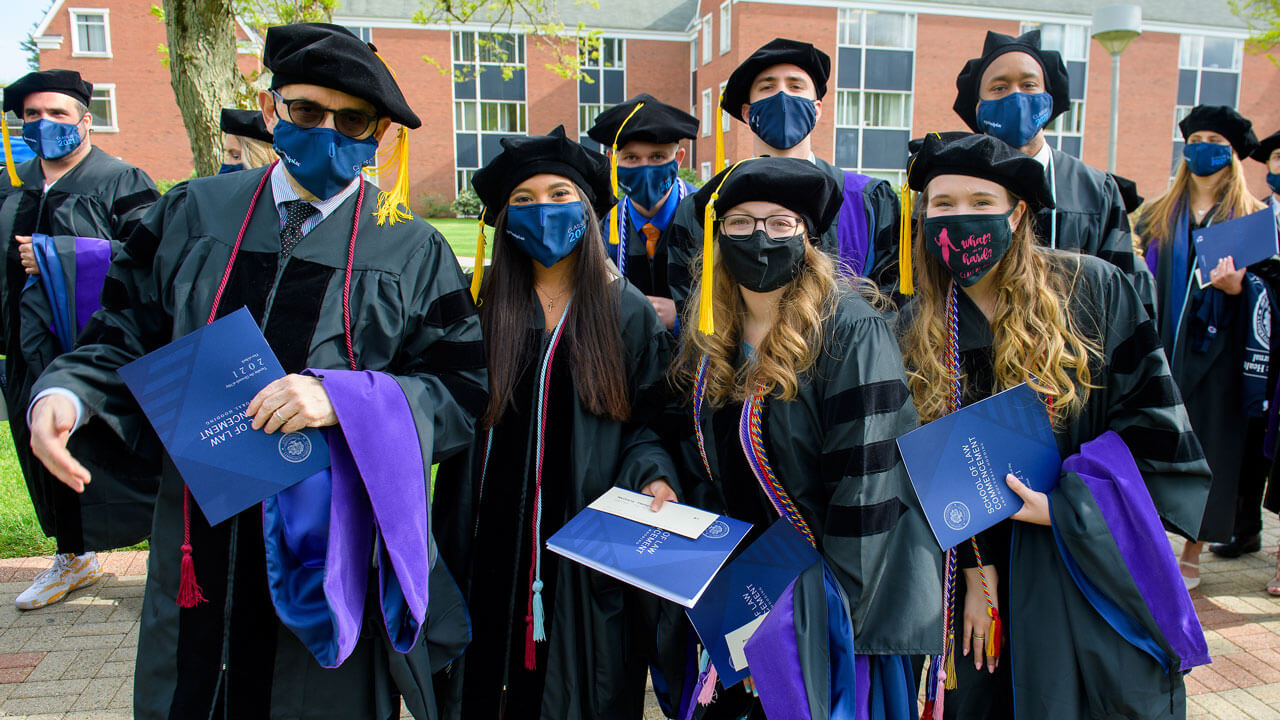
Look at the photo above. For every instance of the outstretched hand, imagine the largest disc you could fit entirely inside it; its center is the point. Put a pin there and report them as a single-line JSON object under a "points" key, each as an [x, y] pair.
{"points": [[52, 420]]}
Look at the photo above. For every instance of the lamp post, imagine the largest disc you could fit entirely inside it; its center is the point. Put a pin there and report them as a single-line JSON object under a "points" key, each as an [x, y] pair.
{"points": [[1115, 26]]}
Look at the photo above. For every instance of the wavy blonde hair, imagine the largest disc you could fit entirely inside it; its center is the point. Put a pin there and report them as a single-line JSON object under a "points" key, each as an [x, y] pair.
{"points": [[1232, 191], [255, 153], [790, 347], [1035, 339]]}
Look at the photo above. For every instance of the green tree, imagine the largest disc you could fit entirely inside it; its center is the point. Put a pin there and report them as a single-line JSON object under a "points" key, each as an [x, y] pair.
{"points": [[538, 20], [1263, 18], [28, 44]]}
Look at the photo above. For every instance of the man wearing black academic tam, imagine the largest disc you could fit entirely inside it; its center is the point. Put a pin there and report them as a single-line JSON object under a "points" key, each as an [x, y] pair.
{"points": [[246, 142], [777, 92], [1013, 91], [643, 137], [242, 619], [63, 212]]}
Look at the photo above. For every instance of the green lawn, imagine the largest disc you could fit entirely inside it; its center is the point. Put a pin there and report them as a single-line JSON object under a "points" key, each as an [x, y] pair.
{"points": [[461, 234], [20, 534]]}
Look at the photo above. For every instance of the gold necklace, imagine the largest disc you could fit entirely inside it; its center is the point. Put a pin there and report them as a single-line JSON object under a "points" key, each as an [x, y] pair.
{"points": [[552, 302]]}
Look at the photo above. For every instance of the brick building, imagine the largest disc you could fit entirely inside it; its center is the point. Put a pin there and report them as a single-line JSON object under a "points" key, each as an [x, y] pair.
{"points": [[894, 68]]}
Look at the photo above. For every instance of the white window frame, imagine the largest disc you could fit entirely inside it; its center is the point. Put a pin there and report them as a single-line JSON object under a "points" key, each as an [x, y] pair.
{"points": [[110, 89], [726, 26], [726, 120], [520, 61], [707, 104], [895, 177], [597, 63], [706, 39], [706, 171], [361, 31], [75, 14], [1181, 111]]}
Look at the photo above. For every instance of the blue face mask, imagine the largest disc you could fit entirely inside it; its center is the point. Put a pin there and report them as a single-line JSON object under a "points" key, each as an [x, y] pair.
{"points": [[782, 120], [547, 232], [647, 184], [322, 160], [230, 168], [1273, 182], [1016, 117], [1206, 158], [51, 140]]}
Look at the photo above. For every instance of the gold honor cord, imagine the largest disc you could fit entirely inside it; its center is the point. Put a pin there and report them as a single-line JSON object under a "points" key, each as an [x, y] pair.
{"points": [[706, 319], [477, 273], [8, 153], [614, 238]]}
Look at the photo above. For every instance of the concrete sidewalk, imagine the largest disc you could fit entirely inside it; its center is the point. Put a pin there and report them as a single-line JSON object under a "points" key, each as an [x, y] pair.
{"points": [[74, 660]]}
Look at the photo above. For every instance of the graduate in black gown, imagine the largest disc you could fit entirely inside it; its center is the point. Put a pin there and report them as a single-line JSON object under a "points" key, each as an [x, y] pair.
{"points": [[644, 136], [246, 141], [343, 282], [577, 361], [1203, 329], [777, 93], [1012, 92], [74, 204], [1073, 608], [779, 341]]}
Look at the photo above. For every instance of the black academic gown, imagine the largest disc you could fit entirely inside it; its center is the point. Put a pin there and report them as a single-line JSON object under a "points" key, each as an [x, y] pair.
{"points": [[683, 237], [593, 664], [1064, 659], [1090, 218], [834, 449], [412, 317], [101, 197], [1210, 378]]}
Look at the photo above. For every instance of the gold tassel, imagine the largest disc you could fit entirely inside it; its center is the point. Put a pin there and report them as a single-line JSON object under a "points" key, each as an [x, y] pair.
{"points": [[706, 311], [8, 153], [614, 238], [393, 204], [949, 665], [477, 273], [906, 282], [719, 135]]}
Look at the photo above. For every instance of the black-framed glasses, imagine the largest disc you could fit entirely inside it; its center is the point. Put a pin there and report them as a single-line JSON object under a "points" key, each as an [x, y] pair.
{"points": [[308, 114], [739, 226]]}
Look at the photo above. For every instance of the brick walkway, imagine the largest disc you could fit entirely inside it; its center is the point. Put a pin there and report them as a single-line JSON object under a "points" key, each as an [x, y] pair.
{"points": [[74, 660]]}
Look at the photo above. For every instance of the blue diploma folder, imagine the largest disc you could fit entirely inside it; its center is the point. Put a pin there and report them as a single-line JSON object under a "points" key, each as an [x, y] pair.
{"points": [[655, 560], [1247, 240], [195, 391], [744, 592], [958, 462]]}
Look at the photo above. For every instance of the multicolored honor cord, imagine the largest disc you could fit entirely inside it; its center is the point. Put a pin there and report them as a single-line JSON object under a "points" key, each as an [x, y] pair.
{"points": [[751, 435]]}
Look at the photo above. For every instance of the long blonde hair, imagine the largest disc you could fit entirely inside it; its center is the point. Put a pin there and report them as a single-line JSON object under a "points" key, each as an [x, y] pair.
{"points": [[255, 153], [790, 347], [1232, 191], [1035, 338]]}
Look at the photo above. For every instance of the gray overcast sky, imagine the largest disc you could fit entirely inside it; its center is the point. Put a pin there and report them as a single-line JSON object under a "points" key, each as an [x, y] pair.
{"points": [[19, 17]]}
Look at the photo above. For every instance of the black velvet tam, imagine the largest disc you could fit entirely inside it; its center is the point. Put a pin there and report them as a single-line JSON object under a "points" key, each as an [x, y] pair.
{"points": [[656, 122], [778, 51], [1057, 82], [67, 82], [980, 156], [555, 154], [245, 123], [794, 183], [1225, 121]]}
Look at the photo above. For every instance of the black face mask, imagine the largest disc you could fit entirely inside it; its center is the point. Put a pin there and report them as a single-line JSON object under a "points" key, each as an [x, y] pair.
{"points": [[968, 245], [760, 263]]}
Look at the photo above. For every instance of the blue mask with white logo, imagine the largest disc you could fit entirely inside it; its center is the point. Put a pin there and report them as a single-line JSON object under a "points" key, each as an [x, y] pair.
{"points": [[1205, 158], [1273, 182], [547, 232], [230, 168], [647, 184], [51, 140], [1016, 117], [782, 120], [322, 160]]}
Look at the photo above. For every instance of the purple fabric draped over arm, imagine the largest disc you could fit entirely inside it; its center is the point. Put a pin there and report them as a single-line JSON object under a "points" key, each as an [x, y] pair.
{"points": [[853, 232]]}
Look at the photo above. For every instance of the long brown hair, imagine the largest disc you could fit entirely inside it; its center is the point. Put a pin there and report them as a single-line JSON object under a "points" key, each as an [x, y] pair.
{"points": [[592, 333], [1232, 191], [1035, 337]]}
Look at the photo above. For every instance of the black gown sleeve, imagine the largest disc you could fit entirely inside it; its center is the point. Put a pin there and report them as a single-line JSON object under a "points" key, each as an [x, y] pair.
{"points": [[885, 210]]}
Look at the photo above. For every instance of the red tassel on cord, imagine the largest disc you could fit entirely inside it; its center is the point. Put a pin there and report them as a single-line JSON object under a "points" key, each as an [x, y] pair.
{"points": [[530, 650], [994, 633], [189, 592]]}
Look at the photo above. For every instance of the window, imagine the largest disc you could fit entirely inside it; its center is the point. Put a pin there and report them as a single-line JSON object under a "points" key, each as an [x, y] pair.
{"points": [[603, 82], [1066, 132], [726, 120], [1208, 74], [90, 33], [706, 40], [488, 98], [103, 107], [363, 32], [875, 75], [707, 104], [726, 31], [706, 171]]}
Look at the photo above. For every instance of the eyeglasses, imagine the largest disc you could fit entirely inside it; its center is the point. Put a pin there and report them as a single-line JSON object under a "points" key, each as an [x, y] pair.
{"points": [[308, 114], [740, 226]]}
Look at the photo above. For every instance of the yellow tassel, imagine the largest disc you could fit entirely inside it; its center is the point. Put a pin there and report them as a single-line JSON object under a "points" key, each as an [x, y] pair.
{"points": [[8, 153], [949, 666], [706, 312], [906, 284], [393, 204], [477, 273], [719, 135], [614, 238]]}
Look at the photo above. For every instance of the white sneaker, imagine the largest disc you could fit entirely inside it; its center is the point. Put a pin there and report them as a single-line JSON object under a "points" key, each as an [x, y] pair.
{"points": [[67, 573]]}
